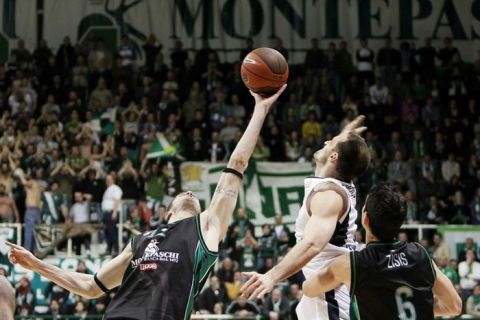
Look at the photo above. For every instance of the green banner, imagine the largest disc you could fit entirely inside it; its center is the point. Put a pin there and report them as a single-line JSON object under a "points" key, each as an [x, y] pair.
{"points": [[8, 232], [269, 187]]}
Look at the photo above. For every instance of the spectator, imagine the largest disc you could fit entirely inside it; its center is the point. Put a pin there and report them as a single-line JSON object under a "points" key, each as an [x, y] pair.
{"points": [[450, 272], [447, 53], [399, 172], [216, 150], [469, 245], [8, 208], [54, 311], [233, 288], [388, 61], [80, 214], [151, 48], [111, 212], [473, 302], [24, 295], [57, 297], [378, 93], [32, 215], [267, 246], [450, 168], [178, 55], [440, 247], [215, 293], [365, 58], [426, 59], [276, 306], [475, 208], [126, 52], [243, 308], [469, 272]]}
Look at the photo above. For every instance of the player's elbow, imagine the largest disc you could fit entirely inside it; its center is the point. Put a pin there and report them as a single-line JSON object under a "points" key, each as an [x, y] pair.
{"points": [[238, 162], [313, 248], [91, 291], [455, 307]]}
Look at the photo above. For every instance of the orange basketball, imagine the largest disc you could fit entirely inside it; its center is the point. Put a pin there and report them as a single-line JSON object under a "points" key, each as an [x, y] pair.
{"points": [[264, 71]]}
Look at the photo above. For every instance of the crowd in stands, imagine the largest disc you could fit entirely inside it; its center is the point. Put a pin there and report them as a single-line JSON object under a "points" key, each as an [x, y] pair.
{"points": [[77, 123]]}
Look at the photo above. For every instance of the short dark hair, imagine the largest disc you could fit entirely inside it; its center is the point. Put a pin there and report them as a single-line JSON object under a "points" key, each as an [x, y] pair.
{"points": [[353, 157], [386, 211]]}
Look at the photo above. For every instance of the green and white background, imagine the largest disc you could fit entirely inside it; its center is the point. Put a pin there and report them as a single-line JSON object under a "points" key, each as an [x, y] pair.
{"points": [[227, 22], [269, 187]]}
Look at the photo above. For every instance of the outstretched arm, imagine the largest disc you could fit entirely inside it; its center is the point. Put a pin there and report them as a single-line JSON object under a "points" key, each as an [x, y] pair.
{"points": [[82, 284], [447, 301], [329, 277], [326, 208], [225, 197]]}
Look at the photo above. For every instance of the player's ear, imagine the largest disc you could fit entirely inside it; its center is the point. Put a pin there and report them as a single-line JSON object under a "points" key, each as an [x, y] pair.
{"points": [[365, 219], [333, 157], [169, 215]]}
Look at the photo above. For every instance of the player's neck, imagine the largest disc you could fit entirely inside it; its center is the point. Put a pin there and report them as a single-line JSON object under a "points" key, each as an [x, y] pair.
{"points": [[180, 216], [324, 171], [369, 237]]}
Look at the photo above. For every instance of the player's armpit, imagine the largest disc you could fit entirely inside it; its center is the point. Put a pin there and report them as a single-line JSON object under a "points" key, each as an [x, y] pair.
{"points": [[447, 301], [330, 277], [111, 273]]}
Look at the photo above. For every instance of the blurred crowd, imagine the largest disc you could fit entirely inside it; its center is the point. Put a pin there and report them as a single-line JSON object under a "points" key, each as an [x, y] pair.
{"points": [[77, 123]]}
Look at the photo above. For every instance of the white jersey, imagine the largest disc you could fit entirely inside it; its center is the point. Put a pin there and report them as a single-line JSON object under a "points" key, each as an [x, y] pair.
{"points": [[334, 304]]}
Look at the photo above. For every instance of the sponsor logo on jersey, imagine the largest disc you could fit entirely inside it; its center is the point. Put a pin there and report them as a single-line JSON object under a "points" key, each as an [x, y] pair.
{"points": [[153, 254], [147, 266]]}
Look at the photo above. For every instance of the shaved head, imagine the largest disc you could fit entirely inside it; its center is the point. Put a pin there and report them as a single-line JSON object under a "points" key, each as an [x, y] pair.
{"points": [[7, 299]]}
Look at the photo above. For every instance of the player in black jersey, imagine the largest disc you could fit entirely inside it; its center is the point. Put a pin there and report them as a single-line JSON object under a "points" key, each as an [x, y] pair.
{"points": [[161, 272], [388, 279]]}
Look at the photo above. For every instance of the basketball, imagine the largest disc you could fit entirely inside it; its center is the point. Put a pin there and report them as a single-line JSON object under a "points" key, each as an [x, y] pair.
{"points": [[264, 71]]}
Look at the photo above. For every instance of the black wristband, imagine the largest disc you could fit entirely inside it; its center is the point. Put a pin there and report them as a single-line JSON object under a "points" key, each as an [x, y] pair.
{"points": [[100, 284], [235, 172]]}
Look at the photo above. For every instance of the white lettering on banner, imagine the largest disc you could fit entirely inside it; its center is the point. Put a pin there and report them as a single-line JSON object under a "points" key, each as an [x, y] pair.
{"points": [[269, 187], [227, 23]]}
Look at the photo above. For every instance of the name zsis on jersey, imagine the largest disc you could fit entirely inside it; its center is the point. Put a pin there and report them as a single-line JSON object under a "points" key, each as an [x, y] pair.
{"points": [[397, 260], [153, 254]]}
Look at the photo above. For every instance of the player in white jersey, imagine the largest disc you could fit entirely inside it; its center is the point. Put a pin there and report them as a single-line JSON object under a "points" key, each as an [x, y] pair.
{"points": [[325, 225]]}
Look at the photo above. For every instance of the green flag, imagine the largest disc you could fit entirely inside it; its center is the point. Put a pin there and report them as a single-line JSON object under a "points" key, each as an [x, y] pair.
{"points": [[161, 147]]}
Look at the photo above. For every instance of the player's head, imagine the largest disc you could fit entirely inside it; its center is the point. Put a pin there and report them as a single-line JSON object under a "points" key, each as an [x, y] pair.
{"points": [[347, 154], [384, 212], [7, 298], [185, 202]]}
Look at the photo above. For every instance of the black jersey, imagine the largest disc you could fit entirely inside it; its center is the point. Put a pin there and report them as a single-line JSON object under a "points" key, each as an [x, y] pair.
{"points": [[168, 269], [392, 281]]}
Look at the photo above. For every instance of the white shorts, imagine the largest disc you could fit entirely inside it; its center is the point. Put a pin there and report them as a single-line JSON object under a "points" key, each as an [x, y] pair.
{"points": [[333, 305]]}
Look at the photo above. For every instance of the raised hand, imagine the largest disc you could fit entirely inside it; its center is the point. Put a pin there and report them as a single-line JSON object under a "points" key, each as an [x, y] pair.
{"points": [[20, 255], [355, 126], [267, 102]]}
